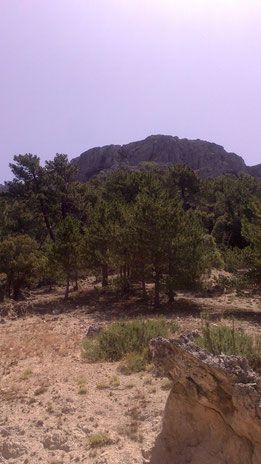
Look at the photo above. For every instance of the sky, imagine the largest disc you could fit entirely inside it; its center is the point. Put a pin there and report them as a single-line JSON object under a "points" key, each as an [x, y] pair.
{"points": [[82, 73]]}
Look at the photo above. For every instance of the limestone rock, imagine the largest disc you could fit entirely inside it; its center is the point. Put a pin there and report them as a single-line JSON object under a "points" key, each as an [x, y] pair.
{"points": [[208, 159], [56, 441], [213, 413], [93, 329]]}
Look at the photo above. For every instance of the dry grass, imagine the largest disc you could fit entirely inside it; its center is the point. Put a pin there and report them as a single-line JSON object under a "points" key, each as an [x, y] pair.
{"points": [[167, 384], [26, 374], [99, 440], [82, 386]]}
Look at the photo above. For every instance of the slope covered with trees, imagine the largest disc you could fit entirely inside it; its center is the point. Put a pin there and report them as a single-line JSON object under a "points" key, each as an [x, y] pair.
{"points": [[166, 228]]}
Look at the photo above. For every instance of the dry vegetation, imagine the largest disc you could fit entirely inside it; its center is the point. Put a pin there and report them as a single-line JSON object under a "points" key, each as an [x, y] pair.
{"points": [[56, 407]]}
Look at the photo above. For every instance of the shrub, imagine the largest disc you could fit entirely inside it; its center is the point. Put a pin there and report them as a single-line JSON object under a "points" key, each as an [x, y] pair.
{"points": [[227, 340], [82, 384], [91, 350], [26, 374], [121, 285], [98, 440], [235, 258], [134, 362], [231, 283], [122, 338], [115, 381], [102, 385]]}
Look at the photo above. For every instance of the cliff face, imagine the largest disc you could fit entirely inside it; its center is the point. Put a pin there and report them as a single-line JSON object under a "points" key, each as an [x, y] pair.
{"points": [[208, 159], [255, 171], [213, 413]]}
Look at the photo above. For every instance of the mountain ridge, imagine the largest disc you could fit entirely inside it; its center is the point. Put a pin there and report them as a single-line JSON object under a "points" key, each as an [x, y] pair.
{"points": [[207, 158]]}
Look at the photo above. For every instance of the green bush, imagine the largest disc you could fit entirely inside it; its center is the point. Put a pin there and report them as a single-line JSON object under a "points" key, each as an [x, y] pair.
{"points": [[134, 362], [233, 283], [236, 259], [231, 341], [97, 440], [121, 285], [91, 350], [121, 338]]}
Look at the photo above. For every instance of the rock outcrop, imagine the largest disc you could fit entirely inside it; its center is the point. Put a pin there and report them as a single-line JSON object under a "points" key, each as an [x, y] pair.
{"points": [[213, 413], [208, 159], [254, 171]]}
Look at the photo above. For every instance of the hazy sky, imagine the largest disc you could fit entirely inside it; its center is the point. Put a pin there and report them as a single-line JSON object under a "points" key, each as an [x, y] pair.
{"points": [[80, 73]]}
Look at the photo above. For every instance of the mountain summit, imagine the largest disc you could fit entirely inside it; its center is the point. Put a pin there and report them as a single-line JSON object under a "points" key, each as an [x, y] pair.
{"points": [[208, 159]]}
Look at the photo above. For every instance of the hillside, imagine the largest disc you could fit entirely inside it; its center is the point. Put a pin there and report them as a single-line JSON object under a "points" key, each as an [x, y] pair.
{"points": [[208, 159], [49, 414]]}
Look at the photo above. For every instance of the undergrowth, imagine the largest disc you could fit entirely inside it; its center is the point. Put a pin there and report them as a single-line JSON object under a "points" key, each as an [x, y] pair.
{"points": [[99, 439], [231, 341], [128, 340]]}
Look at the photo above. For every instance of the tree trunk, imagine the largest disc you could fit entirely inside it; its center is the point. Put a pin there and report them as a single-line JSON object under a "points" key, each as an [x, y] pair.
{"points": [[9, 286], [125, 272], [49, 228], [47, 222], [171, 295], [157, 289], [143, 286], [66, 295], [105, 275], [76, 287], [16, 290], [143, 283], [171, 292]]}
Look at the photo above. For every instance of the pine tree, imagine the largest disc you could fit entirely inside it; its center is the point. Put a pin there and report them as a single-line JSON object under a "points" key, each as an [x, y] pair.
{"points": [[29, 185], [21, 262], [67, 250], [252, 232]]}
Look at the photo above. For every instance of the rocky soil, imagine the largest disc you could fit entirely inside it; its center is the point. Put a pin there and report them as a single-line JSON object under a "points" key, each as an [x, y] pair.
{"points": [[52, 402]]}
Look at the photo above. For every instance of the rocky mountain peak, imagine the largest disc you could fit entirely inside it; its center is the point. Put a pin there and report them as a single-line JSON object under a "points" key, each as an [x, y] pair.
{"points": [[208, 159]]}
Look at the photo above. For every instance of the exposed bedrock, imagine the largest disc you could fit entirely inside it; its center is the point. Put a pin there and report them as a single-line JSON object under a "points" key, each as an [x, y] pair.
{"points": [[206, 158], [213, 413]]}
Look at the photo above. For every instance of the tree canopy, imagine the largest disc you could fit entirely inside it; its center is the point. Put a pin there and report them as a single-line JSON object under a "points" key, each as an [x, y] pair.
{"points": [[166, 227]]}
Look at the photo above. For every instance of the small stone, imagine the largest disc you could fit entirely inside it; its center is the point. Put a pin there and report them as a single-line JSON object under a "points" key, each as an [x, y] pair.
{"points": [[93, 330]]}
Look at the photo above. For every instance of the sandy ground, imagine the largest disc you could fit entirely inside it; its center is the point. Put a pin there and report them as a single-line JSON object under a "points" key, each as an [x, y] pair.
{"points": [[43, 416], [52, 401]]}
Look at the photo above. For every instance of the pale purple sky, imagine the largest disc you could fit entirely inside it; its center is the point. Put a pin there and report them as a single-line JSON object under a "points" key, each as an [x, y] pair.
{"points": [[81, 73]]}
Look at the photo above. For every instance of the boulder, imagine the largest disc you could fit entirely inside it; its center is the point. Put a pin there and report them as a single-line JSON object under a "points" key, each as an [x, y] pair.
{"points": [[213, 412], [93, 329]]}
